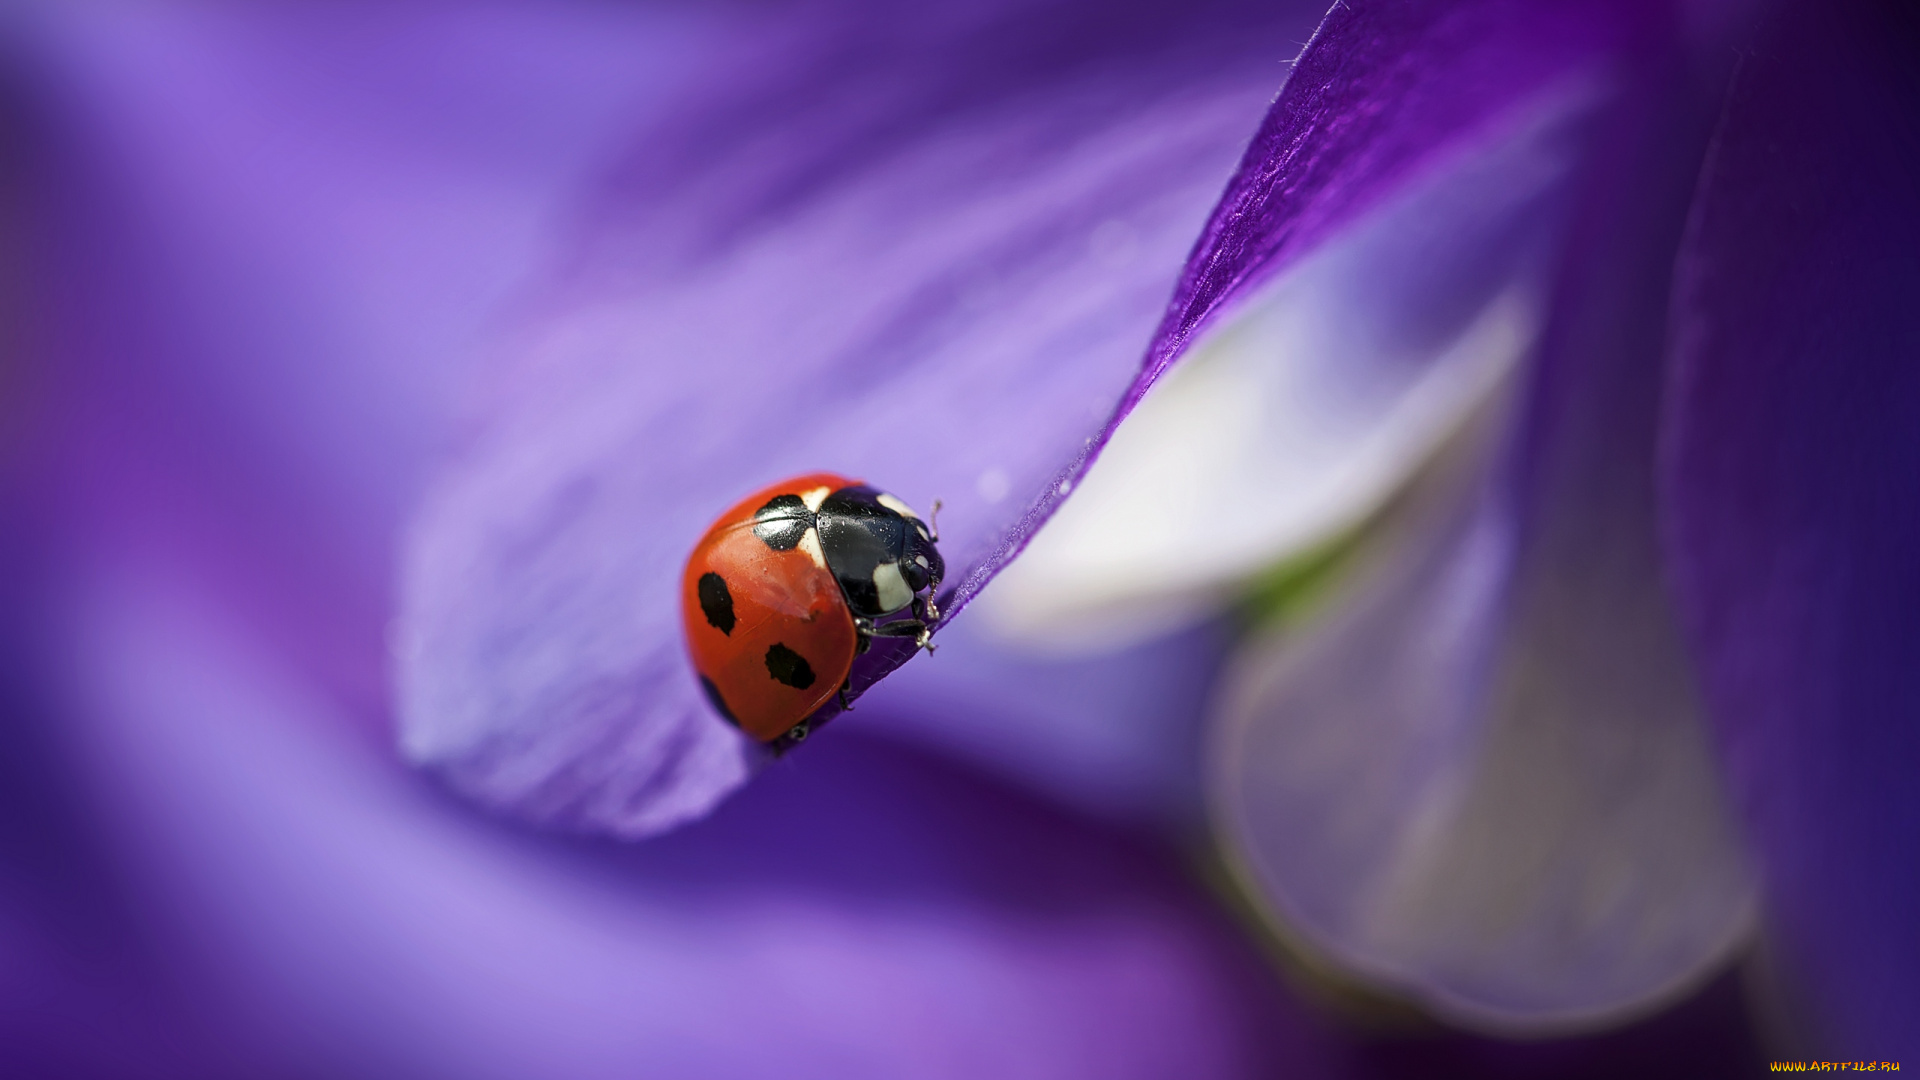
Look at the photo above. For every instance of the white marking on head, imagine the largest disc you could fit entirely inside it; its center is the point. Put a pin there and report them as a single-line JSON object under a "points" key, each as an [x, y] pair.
{"points": [[892, 588], [814, 498], [810, 543], [897, 506], [922, 560]]}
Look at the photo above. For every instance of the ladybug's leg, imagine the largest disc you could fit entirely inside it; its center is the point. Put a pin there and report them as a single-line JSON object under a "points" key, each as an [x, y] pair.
{"points": [[913, 628], [791, 738], [845, 705]]}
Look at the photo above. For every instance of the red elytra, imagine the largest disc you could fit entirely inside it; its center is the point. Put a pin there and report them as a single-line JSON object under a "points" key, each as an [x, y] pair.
{"points": [[772, 638]]}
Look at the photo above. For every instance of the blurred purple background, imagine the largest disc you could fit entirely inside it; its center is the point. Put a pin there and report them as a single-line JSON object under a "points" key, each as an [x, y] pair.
{"points": [[269, 271]]}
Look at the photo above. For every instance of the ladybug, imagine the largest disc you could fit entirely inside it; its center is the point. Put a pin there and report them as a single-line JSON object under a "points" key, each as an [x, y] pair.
{"points": [[786, 588]]}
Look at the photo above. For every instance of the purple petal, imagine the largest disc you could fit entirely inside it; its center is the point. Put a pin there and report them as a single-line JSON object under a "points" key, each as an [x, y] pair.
{"points": [[1381, 89], [865, 914], [1294, 414], [1792, 478], [949, 313], [914, 250], [271, 896], [1485, 779]]}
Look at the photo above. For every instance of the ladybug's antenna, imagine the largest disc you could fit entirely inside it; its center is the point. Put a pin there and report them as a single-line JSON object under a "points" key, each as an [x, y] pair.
{"points": [[933, 522]]}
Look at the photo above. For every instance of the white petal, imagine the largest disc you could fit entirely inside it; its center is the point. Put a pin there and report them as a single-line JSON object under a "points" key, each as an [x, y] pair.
{"points": [[1490, 790]]}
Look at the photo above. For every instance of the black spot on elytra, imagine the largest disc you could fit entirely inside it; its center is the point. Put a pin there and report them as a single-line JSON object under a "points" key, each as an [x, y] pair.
{"points": [[716, 603], [789, 667], [782, 522], [719, 703]]}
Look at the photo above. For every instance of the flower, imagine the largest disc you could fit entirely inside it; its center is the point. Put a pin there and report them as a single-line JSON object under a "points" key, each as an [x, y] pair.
{"points": [[1732, 441], [1482, 773], [266, 245], [263, 246]]}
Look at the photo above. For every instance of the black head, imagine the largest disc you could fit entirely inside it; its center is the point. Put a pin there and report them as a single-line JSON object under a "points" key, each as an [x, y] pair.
{"points": [[879, 550]]}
